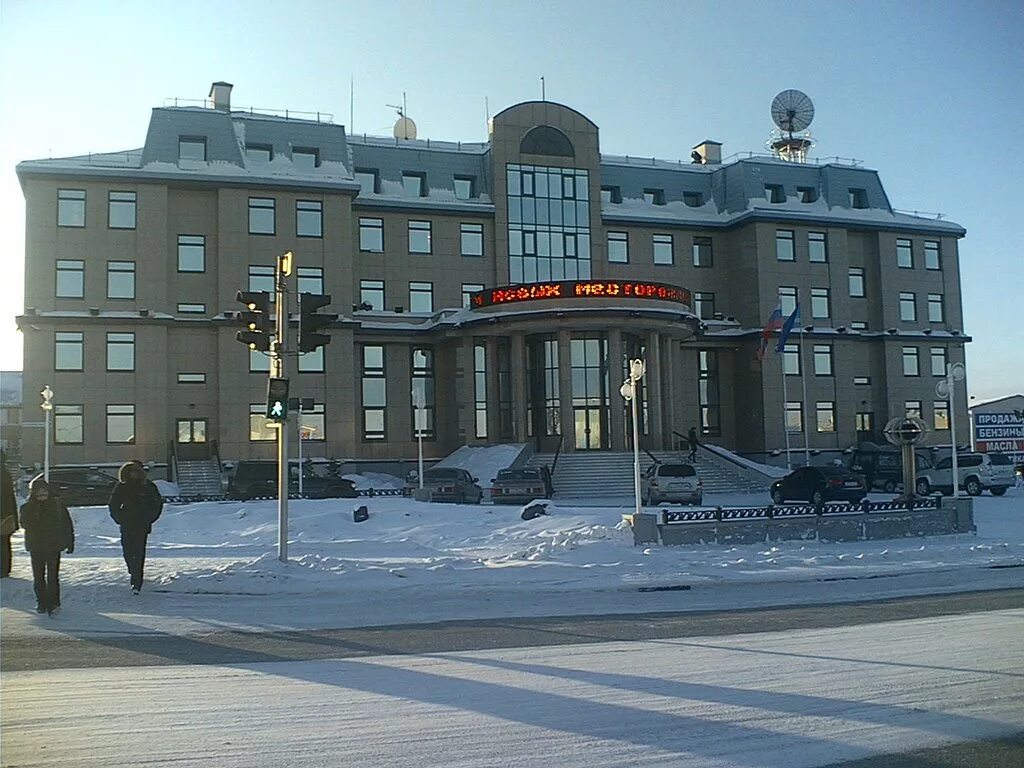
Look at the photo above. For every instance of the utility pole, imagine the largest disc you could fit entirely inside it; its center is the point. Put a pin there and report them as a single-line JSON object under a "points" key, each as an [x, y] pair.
{"points": [[628, 390]]}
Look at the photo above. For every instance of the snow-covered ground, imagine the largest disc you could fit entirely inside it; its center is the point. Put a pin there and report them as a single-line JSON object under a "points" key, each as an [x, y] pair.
{"points": [[215, 563]]}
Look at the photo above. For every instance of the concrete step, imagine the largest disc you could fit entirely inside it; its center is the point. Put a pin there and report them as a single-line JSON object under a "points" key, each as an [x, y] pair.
{"points": [[199, 478]]}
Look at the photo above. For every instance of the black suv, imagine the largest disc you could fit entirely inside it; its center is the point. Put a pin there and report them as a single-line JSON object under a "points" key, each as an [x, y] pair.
{"points": [[258, 479], [81, 487], [884, 468]]}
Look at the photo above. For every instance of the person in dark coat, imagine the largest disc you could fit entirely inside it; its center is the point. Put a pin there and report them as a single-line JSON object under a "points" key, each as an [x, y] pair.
{"points": [[48, 531], [8, 517], [692, 438], [135, 505]]}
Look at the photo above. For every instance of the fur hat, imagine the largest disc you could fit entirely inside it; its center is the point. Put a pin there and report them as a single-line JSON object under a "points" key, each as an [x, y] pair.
{"points": [[38, 483]]}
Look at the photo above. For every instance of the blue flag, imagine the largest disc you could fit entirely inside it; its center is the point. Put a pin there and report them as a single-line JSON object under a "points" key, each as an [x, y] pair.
{"points": [[787, 328]]}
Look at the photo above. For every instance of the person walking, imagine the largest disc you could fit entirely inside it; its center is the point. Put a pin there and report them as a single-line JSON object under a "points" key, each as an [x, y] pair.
{"points": [[692, 438], [48, 531], [8, 517], [135, 505]]}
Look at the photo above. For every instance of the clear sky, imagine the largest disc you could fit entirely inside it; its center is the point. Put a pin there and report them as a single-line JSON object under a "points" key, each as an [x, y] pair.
{"points": [[930, 94]]}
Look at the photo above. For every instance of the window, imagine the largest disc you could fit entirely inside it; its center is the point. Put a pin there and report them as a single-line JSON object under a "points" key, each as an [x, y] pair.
{"points": [[807, 194], [120, 423], [191, 378], [371, 235], [822, 360], [121, 210], [861, 381], [791, 359], [310, 280], [819, 303], [468, 289], [192, 309], [414, 184], [192, 148], [261, 279], [68, 351], [858, 325], [480, 389], [70, 207], [312, 362], [702, 255], [787, 299], [463, 186], [910, 362], [931, 255], [70, 279], [935, 313], [775, 193], [904, 254], [858, 198], [419, 237], [309, 218], [371, 293], [908, 308], [259, 428], [662, 245], [825, 413], [784, 245], [794, 416], [67, 424], [816, 249], [693, 199], [191, 430], [654, 196], [261, 216], [865, 421], [611, 195], [857, 282], [305, 158], [421, 297], [940, 415], [472, 239], [422, 386], [374, 393], [120, 351], [938, 357], [704, 305], [708, 395], [569, 187], [120, 279], [259, 152], [369, 180], [191, 253], [313, 422], [912, 408], [618, 247]]}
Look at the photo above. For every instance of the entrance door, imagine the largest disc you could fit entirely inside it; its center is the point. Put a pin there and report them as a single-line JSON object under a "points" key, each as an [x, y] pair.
{"points": [[191, 430], [589, 434]]}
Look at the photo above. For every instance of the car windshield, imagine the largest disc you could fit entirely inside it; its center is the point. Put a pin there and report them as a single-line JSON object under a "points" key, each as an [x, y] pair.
{"points": [[441, 474], [676, 470], [999, 459], [833, 471], [518, 474]]}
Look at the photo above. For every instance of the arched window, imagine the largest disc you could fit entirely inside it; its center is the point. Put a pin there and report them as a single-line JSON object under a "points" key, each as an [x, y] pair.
{"points": [[545, 140]]}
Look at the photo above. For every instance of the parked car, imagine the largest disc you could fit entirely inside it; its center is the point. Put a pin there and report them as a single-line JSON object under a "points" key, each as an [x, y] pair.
{"points": [[818, 485], [977, 472], [255, 479], [883, 467], [449, 484], [518, 486], [671, 482], [81, 487]]}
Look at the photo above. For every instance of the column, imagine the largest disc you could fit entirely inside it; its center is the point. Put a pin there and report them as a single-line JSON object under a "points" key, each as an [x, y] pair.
{"points": [[653, 381], [466, 397], [616, 426], [565, 413], [671, 359], [493, 391], [517, 362]]}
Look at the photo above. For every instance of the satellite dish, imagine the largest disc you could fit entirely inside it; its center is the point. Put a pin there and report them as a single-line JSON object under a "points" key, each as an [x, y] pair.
{"points": [[792, 111], [405, 128]]}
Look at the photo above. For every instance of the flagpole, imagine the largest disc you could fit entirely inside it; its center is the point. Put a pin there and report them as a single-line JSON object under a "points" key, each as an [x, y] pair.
{"points": [[785, 399], [803, 385]]}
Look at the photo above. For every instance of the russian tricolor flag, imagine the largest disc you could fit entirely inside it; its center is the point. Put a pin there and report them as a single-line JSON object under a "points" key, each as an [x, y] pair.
{"points": [[773, 323], [787, 328]]}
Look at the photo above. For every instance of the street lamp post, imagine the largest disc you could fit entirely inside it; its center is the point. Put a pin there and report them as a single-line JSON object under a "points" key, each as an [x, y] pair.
{"points": [[628, 392], [947, 388], [419, 404], [47, 406]]}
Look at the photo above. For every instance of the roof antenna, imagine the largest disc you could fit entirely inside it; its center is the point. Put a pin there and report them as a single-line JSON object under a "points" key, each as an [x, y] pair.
{"points": [[487, 115], [543, 97], [351, 104]]}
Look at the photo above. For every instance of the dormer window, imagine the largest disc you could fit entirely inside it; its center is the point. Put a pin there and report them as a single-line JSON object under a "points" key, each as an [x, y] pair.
{"points": [[858, 198], [775, 193], [611, 195], [414, 184], [259, 152], [305, 158], [463, 187], [654, 196], [369, 180], [192, 148], [807, 194], [693, 199]]}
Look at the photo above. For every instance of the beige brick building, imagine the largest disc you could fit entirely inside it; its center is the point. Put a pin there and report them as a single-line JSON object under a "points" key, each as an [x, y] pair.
{"points": [[133, 260]]}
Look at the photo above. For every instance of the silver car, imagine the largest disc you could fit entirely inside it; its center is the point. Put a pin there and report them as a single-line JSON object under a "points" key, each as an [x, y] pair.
{"points": [[977, 472], [671, 482]]}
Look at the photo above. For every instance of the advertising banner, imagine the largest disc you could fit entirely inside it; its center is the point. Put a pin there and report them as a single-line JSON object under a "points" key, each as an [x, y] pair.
{"points": [[1000, 433]]}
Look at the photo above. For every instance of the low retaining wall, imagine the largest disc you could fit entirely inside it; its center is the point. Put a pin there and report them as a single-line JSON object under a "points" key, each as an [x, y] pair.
{"points": [[933, 516]]}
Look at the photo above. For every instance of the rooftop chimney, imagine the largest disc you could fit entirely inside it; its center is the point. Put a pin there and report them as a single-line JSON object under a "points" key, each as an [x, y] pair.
{"points": [[220, 92], [710, 151]]}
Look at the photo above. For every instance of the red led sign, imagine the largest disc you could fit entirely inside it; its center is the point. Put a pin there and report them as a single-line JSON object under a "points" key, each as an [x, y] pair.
{"points": [[579, 289]]}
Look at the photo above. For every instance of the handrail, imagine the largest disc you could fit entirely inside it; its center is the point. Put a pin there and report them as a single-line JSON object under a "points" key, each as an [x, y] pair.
{"points": [[653, 457], [558, 451], [681, 436]]}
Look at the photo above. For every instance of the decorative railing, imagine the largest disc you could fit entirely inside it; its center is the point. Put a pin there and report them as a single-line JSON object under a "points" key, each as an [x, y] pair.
{"points": [[790, 511]]}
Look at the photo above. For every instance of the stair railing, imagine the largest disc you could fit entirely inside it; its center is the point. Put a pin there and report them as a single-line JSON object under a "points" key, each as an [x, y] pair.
{"points": [[558, 452]]}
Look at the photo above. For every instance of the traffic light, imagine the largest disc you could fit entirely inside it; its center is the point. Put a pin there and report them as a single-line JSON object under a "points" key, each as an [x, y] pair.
{"points": [[257, 319], [277, 399], [310, 322]]}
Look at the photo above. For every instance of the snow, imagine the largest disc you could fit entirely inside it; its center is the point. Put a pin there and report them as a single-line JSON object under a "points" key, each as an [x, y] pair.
{"points": [[483, 462], [764, 469], [216, 563]]}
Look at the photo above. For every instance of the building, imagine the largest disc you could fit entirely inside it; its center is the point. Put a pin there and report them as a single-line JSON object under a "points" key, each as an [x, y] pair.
{"points": [[997, 426], [510, 281], [11, 415]]}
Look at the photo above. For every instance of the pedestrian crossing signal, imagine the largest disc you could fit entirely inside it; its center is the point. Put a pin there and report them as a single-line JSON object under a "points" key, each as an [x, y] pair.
{"points": [[277, 399]]}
